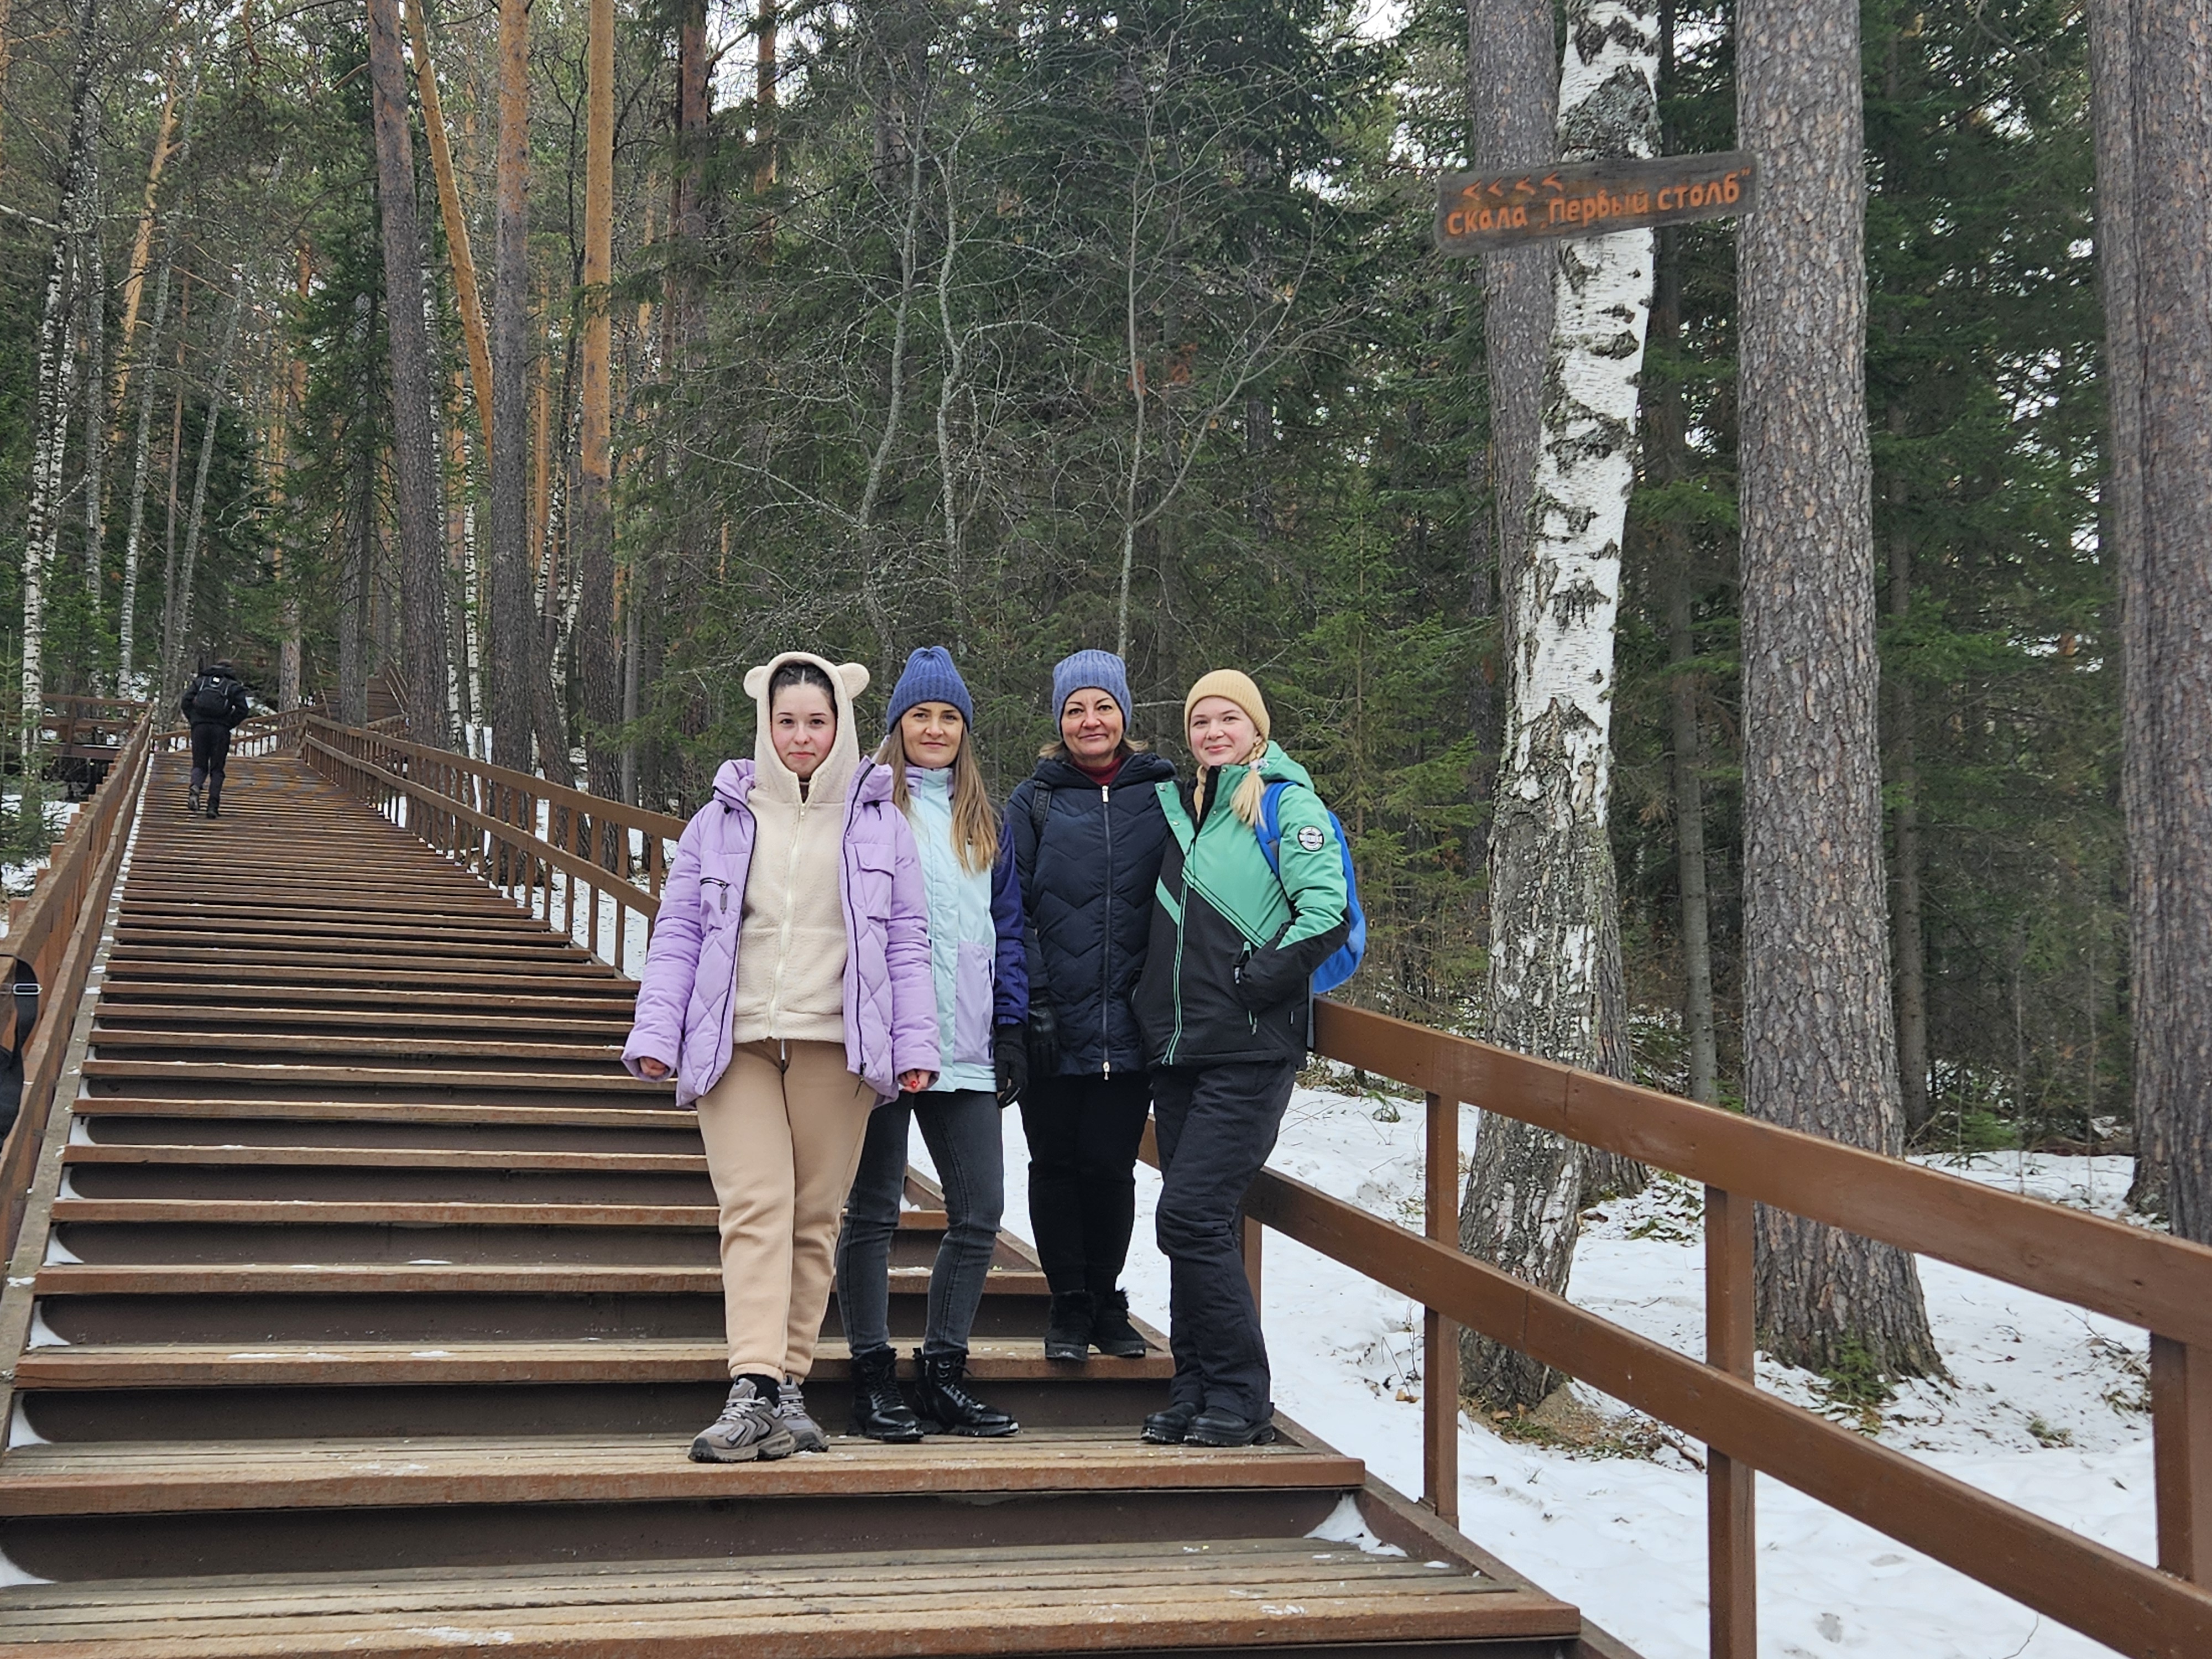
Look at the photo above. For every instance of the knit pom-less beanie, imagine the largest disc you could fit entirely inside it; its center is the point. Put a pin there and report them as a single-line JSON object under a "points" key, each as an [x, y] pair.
{"points": [[1086, 669], [1238, 689], [930, 677]]}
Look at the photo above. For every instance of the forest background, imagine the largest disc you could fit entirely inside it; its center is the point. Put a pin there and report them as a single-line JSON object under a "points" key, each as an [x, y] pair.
{"points": [[1019, 329]]}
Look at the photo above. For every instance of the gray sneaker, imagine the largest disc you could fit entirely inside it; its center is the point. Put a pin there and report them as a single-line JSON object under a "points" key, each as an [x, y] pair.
{"points": [[791, 1412], [747, 1429]]}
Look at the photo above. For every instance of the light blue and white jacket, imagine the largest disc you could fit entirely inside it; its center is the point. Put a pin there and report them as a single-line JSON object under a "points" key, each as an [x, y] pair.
{"points": [[975, 950]]}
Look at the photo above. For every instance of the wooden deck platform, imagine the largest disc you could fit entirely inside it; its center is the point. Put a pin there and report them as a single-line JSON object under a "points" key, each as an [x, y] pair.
{"points": [[371, 1308]]}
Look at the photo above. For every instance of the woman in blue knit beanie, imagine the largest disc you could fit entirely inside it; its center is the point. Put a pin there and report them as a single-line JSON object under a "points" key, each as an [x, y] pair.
{"points": [[1089, 831], [982, 1000]]}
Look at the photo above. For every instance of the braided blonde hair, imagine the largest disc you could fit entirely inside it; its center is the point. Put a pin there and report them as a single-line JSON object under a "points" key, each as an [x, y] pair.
{"points": [[1245, 803]]}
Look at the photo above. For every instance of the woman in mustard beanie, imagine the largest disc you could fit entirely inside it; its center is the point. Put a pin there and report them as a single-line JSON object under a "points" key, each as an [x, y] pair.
{"points": [[1224, 1003]]}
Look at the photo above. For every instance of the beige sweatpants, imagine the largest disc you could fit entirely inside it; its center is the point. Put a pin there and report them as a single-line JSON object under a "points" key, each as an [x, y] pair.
{"points": [[783, 1129]]}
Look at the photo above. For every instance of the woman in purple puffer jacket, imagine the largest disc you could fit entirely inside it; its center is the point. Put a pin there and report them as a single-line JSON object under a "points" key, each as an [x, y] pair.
{"points": [[789, 991]]}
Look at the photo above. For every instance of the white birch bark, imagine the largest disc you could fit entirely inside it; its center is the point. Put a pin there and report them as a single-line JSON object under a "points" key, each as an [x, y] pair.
{"points": [[1550, 863], [94, 297], [55, 379]]}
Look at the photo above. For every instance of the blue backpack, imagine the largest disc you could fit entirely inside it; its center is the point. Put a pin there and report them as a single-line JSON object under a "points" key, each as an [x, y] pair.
{"points": [[1344, 962]]}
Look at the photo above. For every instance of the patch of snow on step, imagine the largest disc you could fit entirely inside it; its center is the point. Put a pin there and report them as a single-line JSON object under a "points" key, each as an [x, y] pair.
{"points": [[12, 1574], [42, 1334], [20, 1433], [80, 1130], [1345, 1525], [60, 1255]]}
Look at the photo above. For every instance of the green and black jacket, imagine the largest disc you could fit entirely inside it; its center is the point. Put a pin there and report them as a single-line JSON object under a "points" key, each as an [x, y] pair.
{"points": [[1233, 948]]}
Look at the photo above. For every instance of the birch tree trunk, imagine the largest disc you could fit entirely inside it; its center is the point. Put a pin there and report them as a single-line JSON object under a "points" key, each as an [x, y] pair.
{"points": [[126, 621], [55, 374], [2169, 679], [414, 398], [514, 639], [95, 393], [1819, 1048], [591, 521], [1551, 866]]}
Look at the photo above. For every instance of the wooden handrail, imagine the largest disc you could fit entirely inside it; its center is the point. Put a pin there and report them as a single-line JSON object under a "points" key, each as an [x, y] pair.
{"points": [[2144, 1278], [56, 934]]}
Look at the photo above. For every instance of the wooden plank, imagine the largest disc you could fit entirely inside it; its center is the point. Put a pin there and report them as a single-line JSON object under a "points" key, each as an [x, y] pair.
{"points": [[677, 1120], [1476, 211], [386, 1158], [429, 1046], [157, 1478], [182, 1072], [2147, 1279], [88, 1279], [375, 1213], [1439, 1336], [2181, 1421], [641, 1359], [1731, 1334]]}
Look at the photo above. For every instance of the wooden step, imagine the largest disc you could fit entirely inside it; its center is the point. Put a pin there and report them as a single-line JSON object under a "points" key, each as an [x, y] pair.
{"points": [[1178, 1596], [109, 1041], [186, 1072], [131, 1477], [642, 1115], [658, 1359], [120, 1014], [302, 1212], [97, 1279], [233, 1155]]}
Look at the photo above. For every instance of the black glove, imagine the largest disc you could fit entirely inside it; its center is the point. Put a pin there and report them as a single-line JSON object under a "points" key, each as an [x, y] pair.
{"points": [[1010, 1049], [1043, 1041]]}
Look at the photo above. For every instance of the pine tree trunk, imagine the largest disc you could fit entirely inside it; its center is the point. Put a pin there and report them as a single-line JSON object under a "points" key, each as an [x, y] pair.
{"points": [[1819, 1048], [414, 397], [1551, 865], [1910, 952], [515, 639], [141, 449], [592, 531], [467, 301], [2169, 680], [2120, 501], [180, 598], [142, 245], [1690, 848]]}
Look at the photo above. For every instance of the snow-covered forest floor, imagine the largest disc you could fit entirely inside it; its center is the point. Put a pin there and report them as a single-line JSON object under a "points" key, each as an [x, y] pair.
{"points": [[2047, 1408]]}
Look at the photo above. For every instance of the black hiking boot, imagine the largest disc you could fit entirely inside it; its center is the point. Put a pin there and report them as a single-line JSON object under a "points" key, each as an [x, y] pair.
{"points": [[1068, 1334], [947, 1408], [192, 800], [879, 1410], [1111, 1333], [1218, 1426], [214, 798], [1169, 1427]]}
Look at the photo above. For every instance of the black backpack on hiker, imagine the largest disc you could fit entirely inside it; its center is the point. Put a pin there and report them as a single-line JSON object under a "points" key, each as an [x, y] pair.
{"points": [[210, 697]]}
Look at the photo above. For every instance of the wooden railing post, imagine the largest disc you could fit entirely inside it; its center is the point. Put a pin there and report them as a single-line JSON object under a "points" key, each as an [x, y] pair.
{"points": [[1731, 1535], [2181, 1432], [1439, 1336]]}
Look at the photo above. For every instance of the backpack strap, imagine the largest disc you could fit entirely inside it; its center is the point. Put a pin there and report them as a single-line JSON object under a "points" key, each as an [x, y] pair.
{"points": [[1270, 827]]}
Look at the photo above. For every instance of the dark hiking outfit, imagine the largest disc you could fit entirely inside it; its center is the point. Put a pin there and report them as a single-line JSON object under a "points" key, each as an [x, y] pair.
{"points": [[1090, 851], [1226, 1005], [213, 703], [982, 991]]}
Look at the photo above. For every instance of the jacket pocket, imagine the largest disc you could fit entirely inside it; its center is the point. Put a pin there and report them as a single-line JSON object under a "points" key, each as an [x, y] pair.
{"points": [[872, 869], [971, 1003]]}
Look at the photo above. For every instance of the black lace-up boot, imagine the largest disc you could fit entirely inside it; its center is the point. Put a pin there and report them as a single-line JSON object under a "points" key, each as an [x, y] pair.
{"points": [[947, 1408], [1111, 1333], [1067, 1331], [879, 1410]]}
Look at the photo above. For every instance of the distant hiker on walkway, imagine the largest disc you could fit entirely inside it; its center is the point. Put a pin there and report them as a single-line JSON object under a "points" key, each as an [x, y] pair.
{"points": [[789, 991], [1088, 833], [983, 1001], [1225, 1003], [212, 704]]}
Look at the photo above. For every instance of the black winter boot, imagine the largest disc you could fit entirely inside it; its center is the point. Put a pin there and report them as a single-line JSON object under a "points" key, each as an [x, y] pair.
{"points": [[192, 800], [947, 1408], [1111, 1333], [215, 796], [879, 1410], [1067, 1335]]}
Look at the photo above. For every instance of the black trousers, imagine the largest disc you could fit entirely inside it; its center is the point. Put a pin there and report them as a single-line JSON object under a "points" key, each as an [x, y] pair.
{"points": [[210, 750], [1217, 1125], [1082, 1133]]}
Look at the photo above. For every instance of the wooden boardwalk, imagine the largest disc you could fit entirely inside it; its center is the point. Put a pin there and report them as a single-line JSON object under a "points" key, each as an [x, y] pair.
{"points": [[376, 1307]]}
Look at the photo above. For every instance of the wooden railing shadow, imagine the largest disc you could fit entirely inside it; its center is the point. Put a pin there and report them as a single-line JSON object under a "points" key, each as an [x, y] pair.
{"points": [[486, 819]]}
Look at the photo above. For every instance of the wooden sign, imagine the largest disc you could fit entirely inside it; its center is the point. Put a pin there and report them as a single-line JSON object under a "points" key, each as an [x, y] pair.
{"points": [[1481, 210]]}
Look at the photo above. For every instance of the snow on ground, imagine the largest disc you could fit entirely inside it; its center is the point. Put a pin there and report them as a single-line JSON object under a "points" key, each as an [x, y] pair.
{"points": [[2047, 1408], [17, 880]]}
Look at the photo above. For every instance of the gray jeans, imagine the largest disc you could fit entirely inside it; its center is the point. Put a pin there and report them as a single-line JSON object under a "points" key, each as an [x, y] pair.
{"points": [[961, 1128]]}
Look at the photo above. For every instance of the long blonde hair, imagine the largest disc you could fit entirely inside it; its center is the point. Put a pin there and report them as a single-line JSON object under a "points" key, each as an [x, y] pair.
{"points": [[1245, 803], [974, 820]]}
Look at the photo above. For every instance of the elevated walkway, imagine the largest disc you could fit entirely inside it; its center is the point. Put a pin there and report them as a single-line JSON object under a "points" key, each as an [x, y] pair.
{"points": [[368, 1306]]}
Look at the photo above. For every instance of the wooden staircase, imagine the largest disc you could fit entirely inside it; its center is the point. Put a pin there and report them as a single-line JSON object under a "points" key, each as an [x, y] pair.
{"points": [[376, 1308]]}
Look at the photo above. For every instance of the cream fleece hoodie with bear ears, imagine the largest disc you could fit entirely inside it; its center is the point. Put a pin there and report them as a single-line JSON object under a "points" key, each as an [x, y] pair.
{"points": [[791, 943]]}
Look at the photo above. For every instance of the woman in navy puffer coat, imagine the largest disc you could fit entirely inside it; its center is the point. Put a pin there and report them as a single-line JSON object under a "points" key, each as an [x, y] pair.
{"points": [[1089, 833]]}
